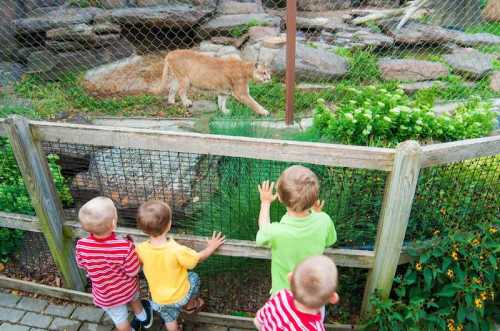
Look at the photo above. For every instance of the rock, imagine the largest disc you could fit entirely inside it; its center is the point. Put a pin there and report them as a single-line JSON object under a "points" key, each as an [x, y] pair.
{"points": [[61, 17], [446, 108], [411, 88], [223, 25], [67, 46], [308, 87], [416, 33], [111, 4], [230, 7], [10, 73], [152, 3], [313, 64], [129, 76], [53, 65], [319, 23], [83, 32], [274, 42], [179, 16], [411, 70], [470, 62], [259, 33], [219, 50], [7, 35], [200, 107], [495, 81], [229, 41], [475, 39], [322, 5]]}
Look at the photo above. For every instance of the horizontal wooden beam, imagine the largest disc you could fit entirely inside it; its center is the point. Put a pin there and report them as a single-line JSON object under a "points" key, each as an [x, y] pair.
{"points": [[86, 298], [440, 154], [262, 149]]}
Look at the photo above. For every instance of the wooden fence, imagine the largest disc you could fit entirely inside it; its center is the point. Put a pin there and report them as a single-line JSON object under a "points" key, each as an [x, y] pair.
{"points": [[403, 165]]}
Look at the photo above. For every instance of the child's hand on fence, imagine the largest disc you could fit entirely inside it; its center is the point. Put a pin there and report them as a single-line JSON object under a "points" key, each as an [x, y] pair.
{"points": [[217, 240], [318, 206], [129, 238], [266, 192]]}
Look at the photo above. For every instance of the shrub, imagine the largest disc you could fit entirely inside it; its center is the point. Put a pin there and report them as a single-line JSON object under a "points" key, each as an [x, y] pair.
{"points": [[378, 117], [452, 285]]}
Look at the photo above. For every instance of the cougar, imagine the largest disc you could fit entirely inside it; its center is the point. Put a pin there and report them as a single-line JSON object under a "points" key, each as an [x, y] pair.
{"points": [[225, 76]]}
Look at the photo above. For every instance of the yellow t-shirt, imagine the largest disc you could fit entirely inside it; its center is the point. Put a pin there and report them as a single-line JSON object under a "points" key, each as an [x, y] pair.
{"points": [[166, 269]]}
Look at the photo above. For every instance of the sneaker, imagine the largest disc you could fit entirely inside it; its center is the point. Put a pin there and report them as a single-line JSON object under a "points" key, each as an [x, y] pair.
{"points": [[149, 314], [135, 324]]}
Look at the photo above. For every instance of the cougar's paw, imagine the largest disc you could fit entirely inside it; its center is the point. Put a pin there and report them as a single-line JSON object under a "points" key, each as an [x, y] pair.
{"points": [[263, 112]]}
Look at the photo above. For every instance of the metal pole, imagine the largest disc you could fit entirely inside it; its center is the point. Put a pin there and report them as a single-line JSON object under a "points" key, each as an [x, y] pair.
{"points": [[291, 42]]}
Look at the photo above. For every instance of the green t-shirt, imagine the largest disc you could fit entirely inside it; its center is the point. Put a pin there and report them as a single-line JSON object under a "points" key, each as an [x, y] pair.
{"points": [[292, 240]]}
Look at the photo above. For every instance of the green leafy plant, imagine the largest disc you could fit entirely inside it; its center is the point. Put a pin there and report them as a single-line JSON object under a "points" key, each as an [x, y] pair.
{"points": [[240, 30], [378, 117], [363, 65], [452, 285]]}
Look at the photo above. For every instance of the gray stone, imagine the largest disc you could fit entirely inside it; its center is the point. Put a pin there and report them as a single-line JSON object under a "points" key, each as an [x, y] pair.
{"points": [[416, 33], [446, 108], [322, 5], [203, 107], [10, 314], [7, 35], [259, 33], [152, 3], [411, 88], [311, 63], [230, 7], [8, 300], [320, 23], [87, 313], [495, 81], [470, 62], [411, 70], [475, 39], [36, 320], [10, 73], [179, 16], [57, 18], [95, 327], [111, 4], [222, 25], [59, 310], [64, 324], [32, 304], [83, 32], [12, 327]]}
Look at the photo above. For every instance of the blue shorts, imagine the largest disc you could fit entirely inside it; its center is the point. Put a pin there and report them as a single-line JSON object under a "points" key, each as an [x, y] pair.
{"points": [[171, 312]]}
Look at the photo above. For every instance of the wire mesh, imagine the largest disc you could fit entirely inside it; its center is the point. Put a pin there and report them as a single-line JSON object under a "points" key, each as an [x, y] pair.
{"points": [[458, 195]]}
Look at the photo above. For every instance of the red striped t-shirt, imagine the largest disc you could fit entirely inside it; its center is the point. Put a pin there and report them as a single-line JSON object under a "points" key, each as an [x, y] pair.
{"points": [[280, 313], [112, 266]]}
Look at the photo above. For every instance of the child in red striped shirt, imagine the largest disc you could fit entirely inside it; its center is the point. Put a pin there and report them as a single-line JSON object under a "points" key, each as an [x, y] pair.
{"points": [[112, 266], [313, 285]]}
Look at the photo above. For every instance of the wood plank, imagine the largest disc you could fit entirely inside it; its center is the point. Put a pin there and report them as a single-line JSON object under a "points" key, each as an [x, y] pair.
{"points": [[44, 198], [51, 291], [396, 207], [19, 221], [262, 149], [457, 151]]}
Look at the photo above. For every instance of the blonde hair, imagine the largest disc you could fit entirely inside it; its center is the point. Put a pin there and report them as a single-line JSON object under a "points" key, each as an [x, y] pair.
{"points": [[97, 215], [298, 188], [154, 218], [314, 281]]}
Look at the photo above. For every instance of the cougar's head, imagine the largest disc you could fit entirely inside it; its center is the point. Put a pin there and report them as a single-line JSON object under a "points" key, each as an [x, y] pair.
{"points": [[261, 73]]}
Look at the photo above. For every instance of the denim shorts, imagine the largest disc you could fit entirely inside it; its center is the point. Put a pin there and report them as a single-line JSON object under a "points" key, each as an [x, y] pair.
{"points": [[171, 312]]}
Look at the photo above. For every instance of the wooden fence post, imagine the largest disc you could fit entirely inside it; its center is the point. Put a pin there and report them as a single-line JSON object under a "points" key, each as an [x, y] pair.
{"points": [[398, 199], [44, 198]]}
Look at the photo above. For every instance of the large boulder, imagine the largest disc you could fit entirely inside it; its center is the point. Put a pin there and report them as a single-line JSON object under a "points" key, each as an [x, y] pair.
{"points": [[475, 39], [414, 33], [10, 73], [322, 5], [411, 70], [152, 3], [358, 39], [112, 4], [56, 18], [231, 7], [225, 24], [313, 64], [495, 81], [82, 36], [470, 62], [130, 76], [180, 16]]}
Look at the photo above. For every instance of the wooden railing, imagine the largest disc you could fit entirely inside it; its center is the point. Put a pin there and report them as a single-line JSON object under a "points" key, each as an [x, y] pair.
{"points": [[402, 164]]}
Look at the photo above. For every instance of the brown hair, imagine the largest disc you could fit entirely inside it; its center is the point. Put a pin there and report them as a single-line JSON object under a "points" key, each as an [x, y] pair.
{"points": [[154, 218], [298, 188], [314, 281], [97, 215]]}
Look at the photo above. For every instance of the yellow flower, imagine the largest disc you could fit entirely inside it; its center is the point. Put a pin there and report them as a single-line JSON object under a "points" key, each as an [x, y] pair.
{"points": [[436, 232], [479, 303], [481, 257], [477, 280], [418, 266], [460, 327], [475, 242], [484, 296], [492, 295], [451, 325], [450, 274], [493, 229], [454, 255]]}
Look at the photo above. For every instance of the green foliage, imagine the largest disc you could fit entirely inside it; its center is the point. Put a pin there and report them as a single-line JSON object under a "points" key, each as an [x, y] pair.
{"points": [[363, 65], [486, 27], [240, 30], [10, 241], [50, 98], [378, 117], [453, 285], [85, 3]]}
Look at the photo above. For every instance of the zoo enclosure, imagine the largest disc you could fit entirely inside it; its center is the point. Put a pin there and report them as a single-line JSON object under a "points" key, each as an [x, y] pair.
{"points": [[402, 165]]}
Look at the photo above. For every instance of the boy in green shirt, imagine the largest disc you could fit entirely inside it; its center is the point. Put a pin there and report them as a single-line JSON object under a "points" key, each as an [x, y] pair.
{"points": [[302, 232]]}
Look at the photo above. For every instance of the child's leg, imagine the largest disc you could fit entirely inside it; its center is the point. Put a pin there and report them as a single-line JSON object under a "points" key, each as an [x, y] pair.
{"points": [[143, 312], [172, 326], [195, 303], [119, 316]]}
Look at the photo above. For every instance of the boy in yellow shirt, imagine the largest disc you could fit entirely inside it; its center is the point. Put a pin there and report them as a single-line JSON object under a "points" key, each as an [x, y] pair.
{"points": [[166, 264]]}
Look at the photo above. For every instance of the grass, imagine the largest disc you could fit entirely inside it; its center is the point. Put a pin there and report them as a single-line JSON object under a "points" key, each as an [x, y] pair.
{"points": [[487, 27], [363, 65], [50, 98]]}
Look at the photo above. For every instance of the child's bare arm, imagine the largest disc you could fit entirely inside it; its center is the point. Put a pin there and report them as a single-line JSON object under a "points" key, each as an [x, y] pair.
{"points": [[212, 245], [266, 198]]}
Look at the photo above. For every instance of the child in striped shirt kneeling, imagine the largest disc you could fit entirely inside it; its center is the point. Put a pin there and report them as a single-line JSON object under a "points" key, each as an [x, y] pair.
{"points": [[112, 266], [313, 285]]}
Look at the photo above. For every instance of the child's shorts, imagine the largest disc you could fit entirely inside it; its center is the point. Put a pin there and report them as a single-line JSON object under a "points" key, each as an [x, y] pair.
{"points": [[119, 314], [171, 312]]}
